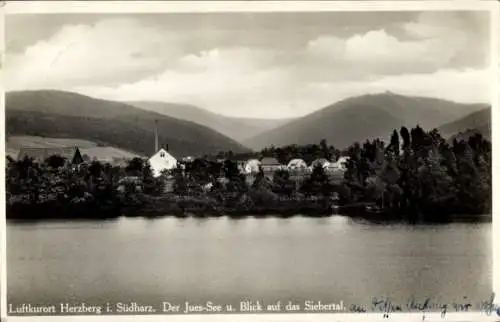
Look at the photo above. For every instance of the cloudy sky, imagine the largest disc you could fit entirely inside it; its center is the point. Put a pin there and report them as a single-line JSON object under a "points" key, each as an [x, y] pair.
{"points": [[251, 65]]}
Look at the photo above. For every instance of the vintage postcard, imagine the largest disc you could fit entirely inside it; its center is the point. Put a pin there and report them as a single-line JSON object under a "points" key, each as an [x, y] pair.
{"points": [[217, 160]]}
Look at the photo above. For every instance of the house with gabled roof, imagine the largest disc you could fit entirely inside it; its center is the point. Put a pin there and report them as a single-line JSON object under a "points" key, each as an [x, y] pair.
{"points": [[161, 161], [297, 164], [270, 164], [252, 166]]}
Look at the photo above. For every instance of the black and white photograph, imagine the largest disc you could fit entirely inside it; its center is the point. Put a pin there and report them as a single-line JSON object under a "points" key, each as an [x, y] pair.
{"points": [[250, 161]]}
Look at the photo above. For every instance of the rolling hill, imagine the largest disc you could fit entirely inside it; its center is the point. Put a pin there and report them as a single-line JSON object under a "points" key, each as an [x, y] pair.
{"points": [[238, 129], [479, 121], [60, 114], [363, 117]]}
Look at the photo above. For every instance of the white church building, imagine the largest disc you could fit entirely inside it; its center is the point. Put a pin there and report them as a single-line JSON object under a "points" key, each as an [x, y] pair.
{"points": [[161, 160]]}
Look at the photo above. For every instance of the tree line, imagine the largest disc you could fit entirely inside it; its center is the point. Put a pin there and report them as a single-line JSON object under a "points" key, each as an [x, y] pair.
{"points": [[417, 173], [420, 173]]}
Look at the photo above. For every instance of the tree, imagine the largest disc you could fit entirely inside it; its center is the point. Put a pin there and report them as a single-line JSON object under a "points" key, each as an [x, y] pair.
{"points": [[95, 169], [394, 145], [55, 161], [325, 150], [134, 167], [318, 183], [282, 184], [390, 176], [98, 182], [261, 182], [236, 179], [151, 185], [180, 182], [473, 181], [405, 135], [418, 141], [436, 186]]}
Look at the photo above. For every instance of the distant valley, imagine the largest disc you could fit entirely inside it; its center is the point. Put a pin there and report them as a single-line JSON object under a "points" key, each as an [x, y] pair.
{"points": [[238, 129]]}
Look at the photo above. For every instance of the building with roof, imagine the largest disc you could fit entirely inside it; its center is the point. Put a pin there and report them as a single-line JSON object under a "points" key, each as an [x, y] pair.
{"points": [[72, 155], [297, 164], [336, 170], [270, 164], [160, 161], [252, 166], [342, 162]]}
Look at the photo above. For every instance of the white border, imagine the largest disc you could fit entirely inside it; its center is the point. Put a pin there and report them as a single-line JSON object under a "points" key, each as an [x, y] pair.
{"points": [[292, 317], [3, 224], [35, 7], [495, 136], [81, 7]]}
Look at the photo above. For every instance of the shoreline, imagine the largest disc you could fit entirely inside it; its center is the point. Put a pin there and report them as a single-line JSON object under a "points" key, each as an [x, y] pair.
{"points": [[176, 211]]}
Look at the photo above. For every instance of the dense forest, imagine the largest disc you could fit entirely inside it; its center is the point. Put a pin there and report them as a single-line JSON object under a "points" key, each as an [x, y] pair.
{"points": [[416, 173], [416, 176], [420, 173]]}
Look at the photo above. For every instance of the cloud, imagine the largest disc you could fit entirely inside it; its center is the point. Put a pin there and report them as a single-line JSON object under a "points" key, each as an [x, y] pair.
{"points": [[231, 81], [275, 93], [239, 59], [109, 51], [466, 85], [377, 52], [465, 35], [127, 59]]}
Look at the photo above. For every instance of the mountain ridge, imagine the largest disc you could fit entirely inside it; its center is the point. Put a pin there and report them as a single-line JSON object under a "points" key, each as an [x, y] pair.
{"points": [[54, 113], [478, 121], [345, 127]]}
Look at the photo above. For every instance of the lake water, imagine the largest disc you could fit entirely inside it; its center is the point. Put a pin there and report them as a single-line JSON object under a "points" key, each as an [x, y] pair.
{"points": [[227, 261]]}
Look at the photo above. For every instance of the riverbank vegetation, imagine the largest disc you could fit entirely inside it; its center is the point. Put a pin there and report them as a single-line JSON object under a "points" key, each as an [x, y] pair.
{"points": [[416, 176]]}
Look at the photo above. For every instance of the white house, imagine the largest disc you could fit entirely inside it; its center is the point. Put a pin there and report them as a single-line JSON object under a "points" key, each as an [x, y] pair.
{"points": [[338, 168], [342, 162], [297, 164], [252, 166], [162, 160]]}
